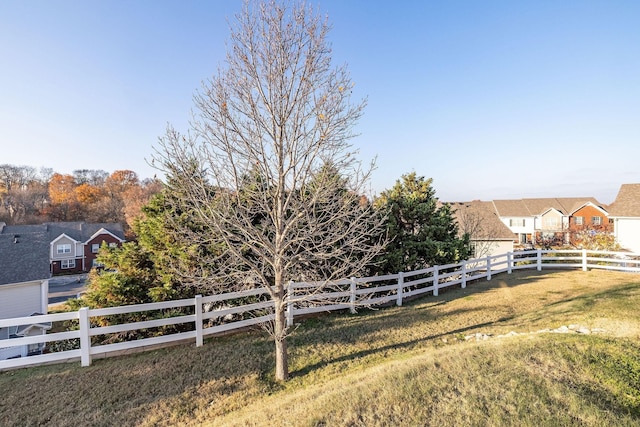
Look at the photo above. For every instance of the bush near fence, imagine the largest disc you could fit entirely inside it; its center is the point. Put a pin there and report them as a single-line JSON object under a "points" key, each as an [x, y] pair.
{"points": [[191, 320]]}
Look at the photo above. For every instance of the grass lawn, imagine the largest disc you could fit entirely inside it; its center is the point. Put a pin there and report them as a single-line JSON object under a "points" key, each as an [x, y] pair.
{"points": [[406, 365]]}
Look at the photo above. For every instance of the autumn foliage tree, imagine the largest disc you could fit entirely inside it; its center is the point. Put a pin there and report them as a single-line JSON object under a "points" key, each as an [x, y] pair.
{"points": [[62, 196], [23, 194], [28, 196]]}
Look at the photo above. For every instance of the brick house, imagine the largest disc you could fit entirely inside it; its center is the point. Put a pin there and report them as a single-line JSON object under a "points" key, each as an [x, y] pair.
{"points": [[72, 246]]}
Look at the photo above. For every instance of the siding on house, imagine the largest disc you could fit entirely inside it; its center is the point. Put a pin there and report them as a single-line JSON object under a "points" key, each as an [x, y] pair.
{"points": [[625, 212], [23, 299], [74, 247], [551, 221], [627, 233]]}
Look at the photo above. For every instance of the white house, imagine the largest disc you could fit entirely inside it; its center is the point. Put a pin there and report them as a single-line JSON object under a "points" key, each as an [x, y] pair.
{"points": [[517, 217], [24, 288], [21, 300], [625, 213]]}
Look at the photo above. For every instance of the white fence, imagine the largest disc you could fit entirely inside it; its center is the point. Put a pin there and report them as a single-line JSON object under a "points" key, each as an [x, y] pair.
{"points": [[216, 314]]}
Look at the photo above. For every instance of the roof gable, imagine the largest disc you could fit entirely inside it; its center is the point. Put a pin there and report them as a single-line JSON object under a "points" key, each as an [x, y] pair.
{"points": [[554, 211], [101, 232], [589, 204], [63, 236]]}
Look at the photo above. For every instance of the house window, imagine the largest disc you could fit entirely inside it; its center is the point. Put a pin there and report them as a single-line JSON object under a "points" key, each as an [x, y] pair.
{"points": [[64, 248], [68, 263], [113, 245], [95, 263], [579, 220], [33, 349], [516, 222], [95, 247], [596, 220]]}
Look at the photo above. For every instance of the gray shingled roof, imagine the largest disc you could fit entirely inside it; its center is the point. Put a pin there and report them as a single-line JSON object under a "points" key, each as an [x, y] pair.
{"points": [[79, 231], [627, 202], [82, 231], [24, 256]]}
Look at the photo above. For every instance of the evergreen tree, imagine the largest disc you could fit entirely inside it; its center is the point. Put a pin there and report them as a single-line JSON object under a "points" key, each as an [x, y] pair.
{"points": [[421, 231]]}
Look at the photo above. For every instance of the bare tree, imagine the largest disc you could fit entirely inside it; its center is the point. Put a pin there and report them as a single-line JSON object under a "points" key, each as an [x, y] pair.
{"points": [[254, 166], [20, 194], [95, 177]]}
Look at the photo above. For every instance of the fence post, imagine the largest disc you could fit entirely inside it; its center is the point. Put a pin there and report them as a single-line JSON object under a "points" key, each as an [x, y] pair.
{"points": [[198, 308], [400, 288], [509, 262], [352, 296], [435, 281], [85, 338], [539, 261], [488, 267], [463, 284], [290, 293], [584, 260]]}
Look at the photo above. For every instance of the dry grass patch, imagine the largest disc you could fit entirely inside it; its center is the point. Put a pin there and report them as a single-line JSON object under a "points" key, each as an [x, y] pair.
{"points": [[353, 366], [530, 381]]}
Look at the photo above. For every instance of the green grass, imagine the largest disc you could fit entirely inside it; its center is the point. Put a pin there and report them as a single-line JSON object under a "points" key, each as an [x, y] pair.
{"points": [[396, 366]]}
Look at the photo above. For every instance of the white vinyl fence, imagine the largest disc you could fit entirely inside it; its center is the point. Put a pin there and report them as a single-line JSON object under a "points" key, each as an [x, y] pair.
{"points": [[216, 314]]}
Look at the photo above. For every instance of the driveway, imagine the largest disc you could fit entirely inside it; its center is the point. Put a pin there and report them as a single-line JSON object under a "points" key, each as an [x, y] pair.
{"points": [[61, 288]]}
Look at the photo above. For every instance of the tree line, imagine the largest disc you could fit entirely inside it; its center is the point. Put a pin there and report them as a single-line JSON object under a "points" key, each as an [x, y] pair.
{"points": [[32, 196]]}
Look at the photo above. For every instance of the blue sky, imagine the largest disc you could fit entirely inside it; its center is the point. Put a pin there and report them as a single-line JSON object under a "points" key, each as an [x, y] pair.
{"points": [[491, 99]]}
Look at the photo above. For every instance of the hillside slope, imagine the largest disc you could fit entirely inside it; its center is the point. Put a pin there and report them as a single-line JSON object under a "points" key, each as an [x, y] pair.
{"points": [[420, 364]]}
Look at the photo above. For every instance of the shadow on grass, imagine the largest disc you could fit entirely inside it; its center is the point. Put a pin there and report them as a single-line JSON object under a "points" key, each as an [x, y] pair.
{"points": [[429, 319], [404, 345]]}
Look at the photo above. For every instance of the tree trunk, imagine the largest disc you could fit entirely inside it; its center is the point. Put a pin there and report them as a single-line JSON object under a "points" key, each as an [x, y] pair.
{"points": [[280, 337]]}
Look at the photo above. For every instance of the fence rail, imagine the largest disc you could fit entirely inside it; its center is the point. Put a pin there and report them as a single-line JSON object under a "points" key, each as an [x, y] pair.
{"points": [[216, 314]]}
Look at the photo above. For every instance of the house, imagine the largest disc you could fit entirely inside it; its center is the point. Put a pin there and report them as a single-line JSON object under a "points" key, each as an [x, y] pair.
{"points": [[551, 220], [24, 286], [625, 214], [588, 217], [72, 247], [516, 215], [488, 234]]}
